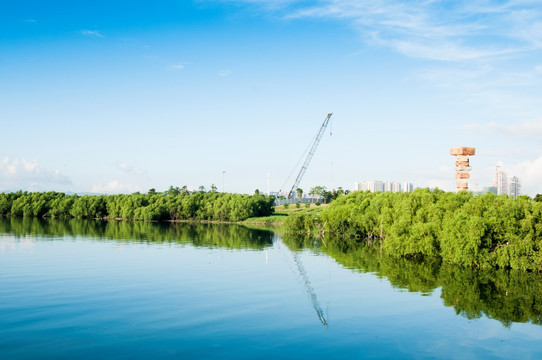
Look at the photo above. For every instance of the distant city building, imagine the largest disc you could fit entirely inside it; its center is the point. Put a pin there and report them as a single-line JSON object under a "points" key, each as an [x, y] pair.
{"points": [[514, 187], [386, 186], [375, 186], [490, 189], [371, 185], [502, 183]]}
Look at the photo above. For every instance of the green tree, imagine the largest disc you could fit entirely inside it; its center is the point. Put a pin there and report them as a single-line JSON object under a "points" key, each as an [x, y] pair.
{"points": [[173, 191]]}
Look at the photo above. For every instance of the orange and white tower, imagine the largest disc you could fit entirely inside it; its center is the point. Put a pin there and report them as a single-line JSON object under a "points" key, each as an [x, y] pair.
{"points": [[462, 166]]}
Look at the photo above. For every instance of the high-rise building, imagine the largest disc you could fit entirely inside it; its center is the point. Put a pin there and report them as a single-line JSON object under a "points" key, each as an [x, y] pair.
{"points": [[502, 183], [514, 187], [360, 186], [387, 186], [408, 187], [377, 185], [374, 185]]}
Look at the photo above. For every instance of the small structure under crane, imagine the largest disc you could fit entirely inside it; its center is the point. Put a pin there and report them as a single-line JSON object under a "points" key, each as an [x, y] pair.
{"points": [[310, 155]]}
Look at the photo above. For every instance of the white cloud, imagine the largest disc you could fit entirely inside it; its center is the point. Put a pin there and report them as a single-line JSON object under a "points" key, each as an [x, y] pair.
{"points": [[435, 30], [483, 50], [92, 33], [529, 174], [224, 73], [522, 130], [115, 187], [28, 175], [128, 168], [176, 67]]}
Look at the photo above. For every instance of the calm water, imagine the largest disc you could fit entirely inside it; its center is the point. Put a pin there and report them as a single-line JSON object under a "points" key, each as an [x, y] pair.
{"points": [[121, 290]]}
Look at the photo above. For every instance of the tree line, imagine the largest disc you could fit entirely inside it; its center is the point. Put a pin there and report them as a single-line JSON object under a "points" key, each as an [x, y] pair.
{"points": [[485, 231], [173, 204]]}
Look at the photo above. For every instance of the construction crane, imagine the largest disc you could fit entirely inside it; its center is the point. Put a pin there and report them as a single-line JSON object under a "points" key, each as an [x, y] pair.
{"points": [[310, 155]]}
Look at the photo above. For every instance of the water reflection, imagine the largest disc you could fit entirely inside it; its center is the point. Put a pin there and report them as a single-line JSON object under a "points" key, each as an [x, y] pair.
{"points": [[205, 235], [505, 295]]}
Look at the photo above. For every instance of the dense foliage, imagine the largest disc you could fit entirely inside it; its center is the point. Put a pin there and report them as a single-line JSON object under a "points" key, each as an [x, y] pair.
{"points": [[482, 231], [172, 205]]}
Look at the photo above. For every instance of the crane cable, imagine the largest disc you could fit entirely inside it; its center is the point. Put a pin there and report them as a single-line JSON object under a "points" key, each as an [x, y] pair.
{"points": [[298, 161]]}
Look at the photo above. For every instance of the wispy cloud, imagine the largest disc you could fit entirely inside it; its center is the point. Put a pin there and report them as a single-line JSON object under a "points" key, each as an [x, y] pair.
{"points": [[224, 73], [522, 130], [510, 93], [128, 168], [436, 30], [176, 67], [92, 33], [115, 187], [29, 175]]}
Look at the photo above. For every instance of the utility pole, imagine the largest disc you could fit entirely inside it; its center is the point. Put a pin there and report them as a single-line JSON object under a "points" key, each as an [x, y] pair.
{"points": [[223, 172]]}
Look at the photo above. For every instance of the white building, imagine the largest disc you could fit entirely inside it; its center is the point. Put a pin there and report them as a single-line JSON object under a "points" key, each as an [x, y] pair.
{"points": [[377, 185], [360, 186], [408, 187], [371, 185], [502, 183], [514, 187], [387, 186]]}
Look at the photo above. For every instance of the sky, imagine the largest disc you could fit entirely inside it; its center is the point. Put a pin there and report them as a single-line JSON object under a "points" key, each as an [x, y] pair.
{"points": [[123, 96]]}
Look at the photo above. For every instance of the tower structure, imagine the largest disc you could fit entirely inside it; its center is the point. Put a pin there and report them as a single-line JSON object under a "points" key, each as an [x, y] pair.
{"points": [[462, 166]]}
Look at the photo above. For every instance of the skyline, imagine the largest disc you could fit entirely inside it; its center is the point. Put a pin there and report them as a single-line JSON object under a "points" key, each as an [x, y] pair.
{"points": [[124, 97]]}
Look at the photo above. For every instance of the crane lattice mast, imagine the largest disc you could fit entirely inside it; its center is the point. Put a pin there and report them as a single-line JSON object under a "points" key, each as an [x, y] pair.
{"points": [[309, 156]]}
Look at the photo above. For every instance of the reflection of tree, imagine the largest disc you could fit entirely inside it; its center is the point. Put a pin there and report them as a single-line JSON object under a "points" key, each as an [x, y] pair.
{"points": [[205, 235], [297, 242], [505, 295], [508, 296]]}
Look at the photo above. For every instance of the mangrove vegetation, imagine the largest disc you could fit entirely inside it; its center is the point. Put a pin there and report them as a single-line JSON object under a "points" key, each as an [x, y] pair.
{"points": [[174, 204], [485, 231]]}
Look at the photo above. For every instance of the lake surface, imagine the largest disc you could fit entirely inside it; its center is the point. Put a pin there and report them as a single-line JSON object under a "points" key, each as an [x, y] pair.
{"points": [[126, 290]]}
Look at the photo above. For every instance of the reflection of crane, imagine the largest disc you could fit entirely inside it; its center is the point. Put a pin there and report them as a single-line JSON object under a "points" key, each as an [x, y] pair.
{"points": [[310, 290], [309, 156]]}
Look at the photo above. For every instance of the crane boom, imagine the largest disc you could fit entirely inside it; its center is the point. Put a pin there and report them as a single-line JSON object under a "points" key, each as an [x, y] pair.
{"points": [[310, 290], [309, 156]]}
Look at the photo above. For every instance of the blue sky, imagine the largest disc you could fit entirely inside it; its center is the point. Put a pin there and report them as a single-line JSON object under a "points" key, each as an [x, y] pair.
{"points": [[101, 96]]}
